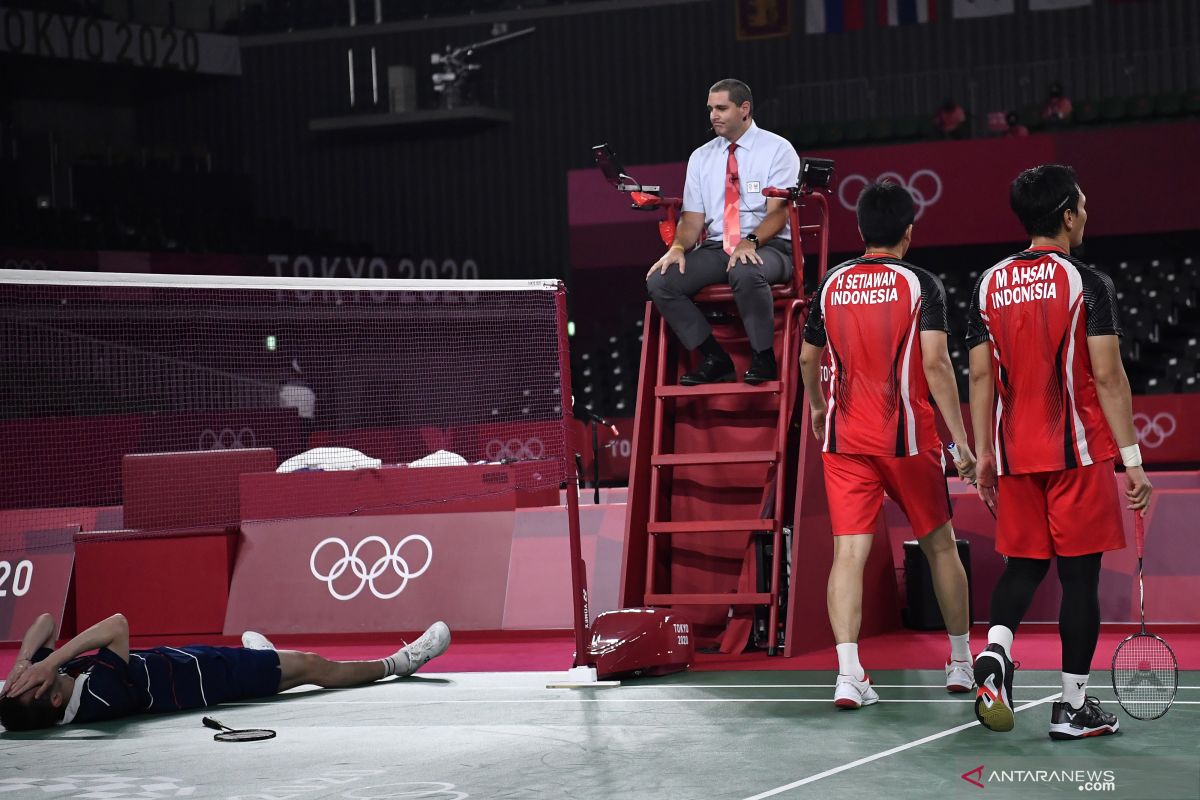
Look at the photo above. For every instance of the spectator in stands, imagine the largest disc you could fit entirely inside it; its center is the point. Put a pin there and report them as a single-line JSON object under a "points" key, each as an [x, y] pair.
{"points": [[1015, 128], [884, 320], [950, 120], [748, 243], [1047, 323], [49, 687], [1057, 110]]}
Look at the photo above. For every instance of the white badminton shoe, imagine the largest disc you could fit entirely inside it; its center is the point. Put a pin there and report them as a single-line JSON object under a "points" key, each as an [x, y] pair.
{"points": [[960, 677], [431, 644], [252, 640], [852, 693]]}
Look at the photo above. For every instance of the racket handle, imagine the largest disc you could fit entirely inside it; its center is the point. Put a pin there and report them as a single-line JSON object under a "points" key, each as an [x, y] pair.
{"points": [[209, 722], [1139, 532]]}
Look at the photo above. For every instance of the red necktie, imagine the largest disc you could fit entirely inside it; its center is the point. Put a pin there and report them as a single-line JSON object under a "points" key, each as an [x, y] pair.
{"points": [[731, 227]]}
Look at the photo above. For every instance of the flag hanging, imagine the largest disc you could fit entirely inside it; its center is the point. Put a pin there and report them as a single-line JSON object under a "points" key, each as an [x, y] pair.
{"points": [[970, 9], [906, 12], [762, 19], [833, 16]]}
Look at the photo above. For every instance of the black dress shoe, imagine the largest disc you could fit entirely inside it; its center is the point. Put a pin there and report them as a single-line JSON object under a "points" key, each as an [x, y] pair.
{"points": [[761, 370], [714, 369]]}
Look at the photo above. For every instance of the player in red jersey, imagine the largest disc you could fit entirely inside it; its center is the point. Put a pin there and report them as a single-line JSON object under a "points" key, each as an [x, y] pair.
{"points": [[1048, 397], [884, 323]]}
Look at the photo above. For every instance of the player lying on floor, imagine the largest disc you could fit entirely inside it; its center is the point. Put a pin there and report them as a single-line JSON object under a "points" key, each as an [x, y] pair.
{"points": [[48, 687]]}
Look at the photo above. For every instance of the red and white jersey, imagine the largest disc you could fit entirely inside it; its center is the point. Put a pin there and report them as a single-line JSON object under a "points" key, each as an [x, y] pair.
{"points": [[870, 312], [1036, 309]]}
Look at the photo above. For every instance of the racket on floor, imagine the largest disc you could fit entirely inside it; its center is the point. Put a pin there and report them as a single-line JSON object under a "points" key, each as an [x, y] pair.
{"points": [[229, 734], [1145, 674]]}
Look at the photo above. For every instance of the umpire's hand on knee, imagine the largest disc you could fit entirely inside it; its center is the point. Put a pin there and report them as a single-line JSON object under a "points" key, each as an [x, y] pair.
{"points": [[744, 253], [672, 256]]}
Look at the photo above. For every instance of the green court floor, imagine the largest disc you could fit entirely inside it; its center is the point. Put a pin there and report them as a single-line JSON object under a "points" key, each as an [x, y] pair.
{"points": [[713, 735]]}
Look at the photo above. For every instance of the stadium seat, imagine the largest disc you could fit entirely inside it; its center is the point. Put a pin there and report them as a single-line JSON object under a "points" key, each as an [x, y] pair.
{"points": [[856, 131], [1158, 386], [1031, 116], [881, 130], [807, 136], [833, 133], [1139, 324], [1086, 111], [1191, 101], [1114, 109], [1161, 306], [905, 127], [921, 127], [1141, 106], [1168, 104]]}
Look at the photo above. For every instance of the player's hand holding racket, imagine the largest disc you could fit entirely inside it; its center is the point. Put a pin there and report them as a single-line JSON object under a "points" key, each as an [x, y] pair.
{"points": [[1145, 674], [1137, 488], [964, 460]]}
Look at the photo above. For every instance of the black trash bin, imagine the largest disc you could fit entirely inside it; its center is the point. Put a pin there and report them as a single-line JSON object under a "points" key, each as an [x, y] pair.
{"points": [[922, 612]]}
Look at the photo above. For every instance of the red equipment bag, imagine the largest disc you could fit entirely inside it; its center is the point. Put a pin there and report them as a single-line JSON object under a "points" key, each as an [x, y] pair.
{"points": [[635, 642]]}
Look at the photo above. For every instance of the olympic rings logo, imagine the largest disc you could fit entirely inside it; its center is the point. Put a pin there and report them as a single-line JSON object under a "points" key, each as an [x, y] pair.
{"points": [[514, 449], [227, 439], [924, 185], [1153, 432], [350, 560]]}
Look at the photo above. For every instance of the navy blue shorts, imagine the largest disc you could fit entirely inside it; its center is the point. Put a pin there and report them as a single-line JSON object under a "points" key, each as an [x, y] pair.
{"points": [[237, 673]]}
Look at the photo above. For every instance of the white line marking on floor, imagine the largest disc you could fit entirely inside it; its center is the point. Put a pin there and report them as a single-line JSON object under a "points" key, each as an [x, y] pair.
{"points": [[829, 685], [571, 698], [566, 698], [886, 753]]}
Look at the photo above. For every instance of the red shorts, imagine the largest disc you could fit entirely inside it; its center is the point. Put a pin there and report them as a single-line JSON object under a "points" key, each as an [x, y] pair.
{"points": [[1071, 512], [855, 485]]}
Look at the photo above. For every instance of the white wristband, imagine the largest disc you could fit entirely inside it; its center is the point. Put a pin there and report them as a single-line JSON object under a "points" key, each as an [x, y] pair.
{"points": [[1131, 456]]}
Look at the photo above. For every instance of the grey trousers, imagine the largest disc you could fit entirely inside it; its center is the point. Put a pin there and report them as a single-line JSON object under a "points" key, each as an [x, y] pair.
{"points": [[751, 283]]}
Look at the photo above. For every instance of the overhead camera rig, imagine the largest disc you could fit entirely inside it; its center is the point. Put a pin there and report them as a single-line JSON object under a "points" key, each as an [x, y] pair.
{"points": [[452, 82]]}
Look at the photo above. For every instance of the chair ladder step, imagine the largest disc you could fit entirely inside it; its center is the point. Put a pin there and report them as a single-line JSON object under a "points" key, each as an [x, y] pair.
{"points": [[712, 389], [714, 526], [711, 599], [732, 457]]}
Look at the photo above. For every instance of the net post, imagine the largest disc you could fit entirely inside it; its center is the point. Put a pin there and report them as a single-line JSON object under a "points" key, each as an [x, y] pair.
{"points": [[579, 602]]}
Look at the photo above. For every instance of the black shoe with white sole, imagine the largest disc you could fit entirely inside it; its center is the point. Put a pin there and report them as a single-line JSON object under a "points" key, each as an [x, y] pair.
{"points": [[993, 701], [1079, 723]]}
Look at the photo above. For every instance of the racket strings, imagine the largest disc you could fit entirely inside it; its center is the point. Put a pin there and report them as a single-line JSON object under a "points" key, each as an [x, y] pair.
{"points": [[1145, 676], [247, 735]]}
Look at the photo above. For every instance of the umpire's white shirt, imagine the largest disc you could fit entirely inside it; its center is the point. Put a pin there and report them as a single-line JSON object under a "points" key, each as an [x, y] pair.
{"points": [[764, 159]]}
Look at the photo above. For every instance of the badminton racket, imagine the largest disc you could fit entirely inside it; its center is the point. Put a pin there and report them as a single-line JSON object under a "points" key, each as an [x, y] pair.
{"points": [[228, 734], [1145, 674], [954, 457]]}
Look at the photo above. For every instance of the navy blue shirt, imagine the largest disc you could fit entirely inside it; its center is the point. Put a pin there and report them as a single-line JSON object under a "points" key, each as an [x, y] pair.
{"points": [[165, 679]]}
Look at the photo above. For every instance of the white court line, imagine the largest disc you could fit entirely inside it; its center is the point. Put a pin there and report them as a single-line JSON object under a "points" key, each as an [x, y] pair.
{"points": [[940, 686], [567, 699], [886, 753]]}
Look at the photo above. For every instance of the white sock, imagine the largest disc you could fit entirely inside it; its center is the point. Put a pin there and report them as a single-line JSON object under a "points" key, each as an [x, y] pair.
{"points": [[1074, 689], [998, 634], [960, 647], [848, 661], [397, 663]]}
